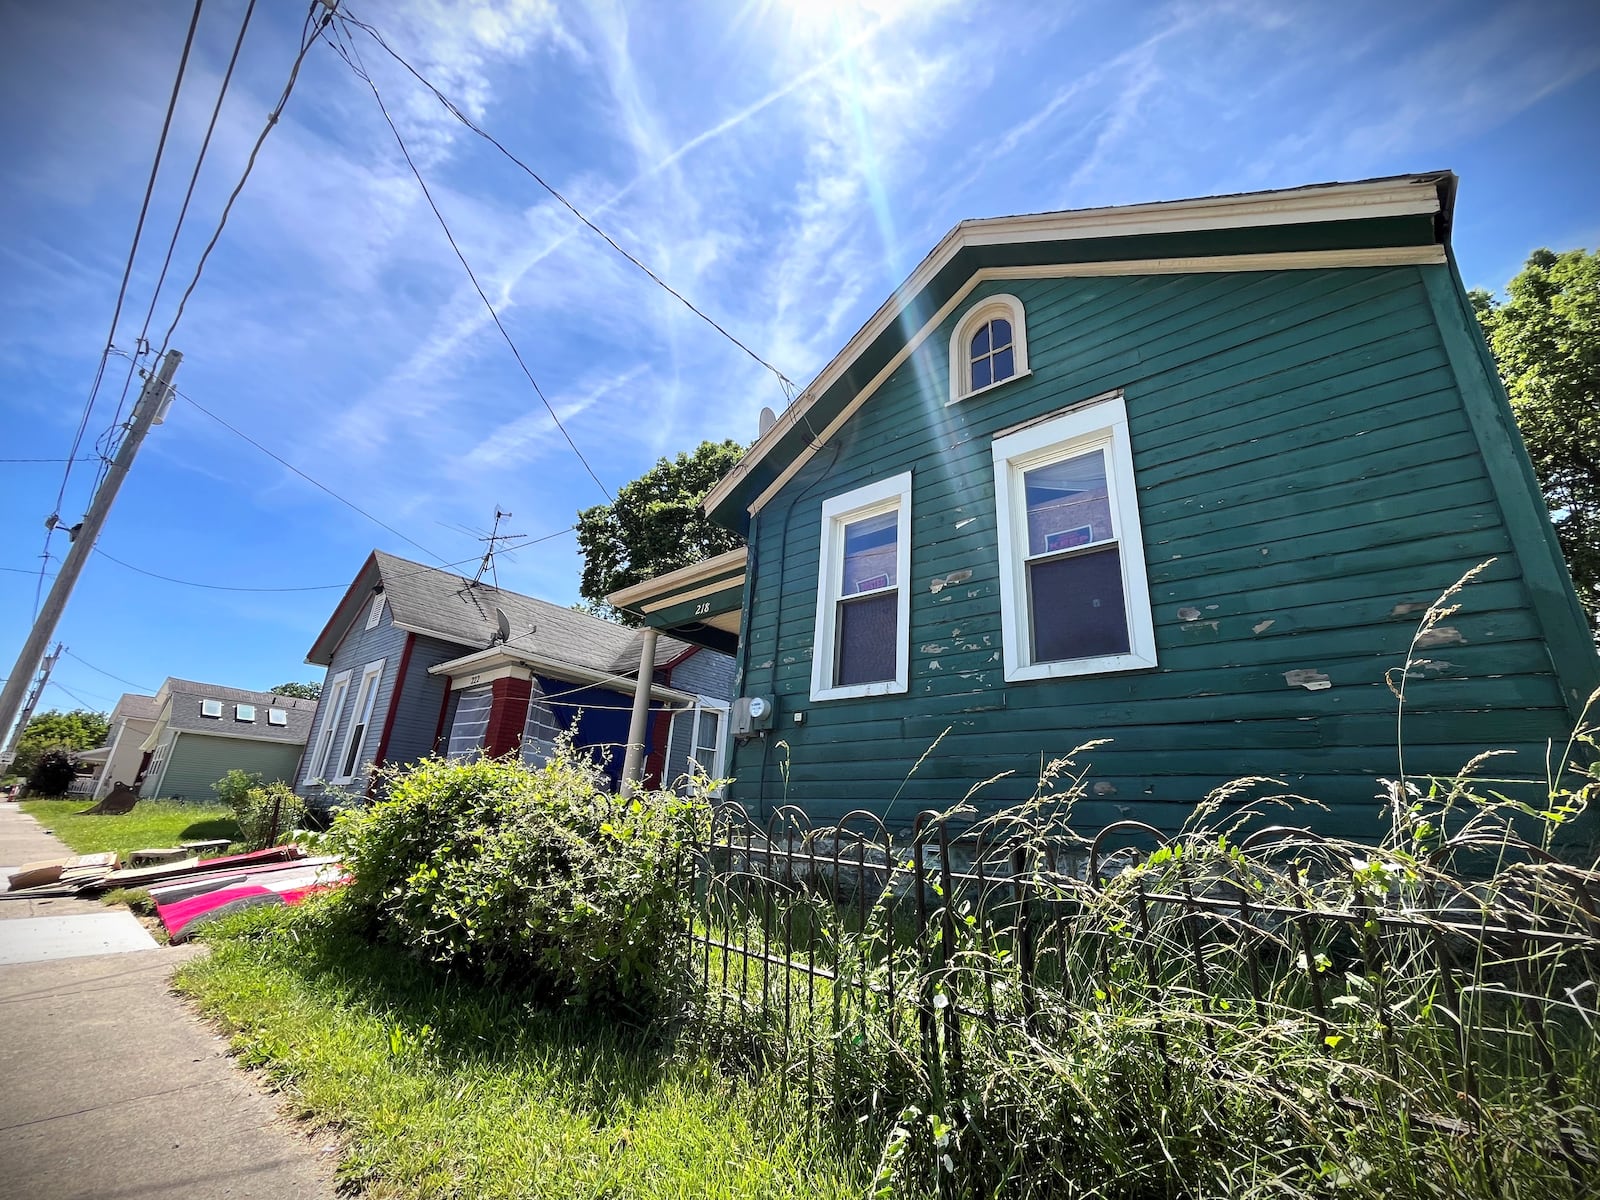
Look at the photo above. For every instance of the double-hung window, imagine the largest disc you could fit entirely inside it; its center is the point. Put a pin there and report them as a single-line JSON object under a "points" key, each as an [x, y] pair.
{"points": [[863, 594], [360, 722], [696, 738], [1073, 595], [329, 711]]}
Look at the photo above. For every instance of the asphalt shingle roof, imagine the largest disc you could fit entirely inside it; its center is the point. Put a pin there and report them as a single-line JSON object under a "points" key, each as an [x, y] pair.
{"points": [[185, 695], [444, 605]]}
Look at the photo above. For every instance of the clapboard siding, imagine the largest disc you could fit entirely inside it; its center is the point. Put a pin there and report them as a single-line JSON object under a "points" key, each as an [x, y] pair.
{"points": [[1308, 481], [422, 695], [360, 646], [198, 760]]}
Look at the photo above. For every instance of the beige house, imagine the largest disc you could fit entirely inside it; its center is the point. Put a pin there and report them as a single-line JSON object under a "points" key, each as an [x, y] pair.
{"points": [[119, 760]]}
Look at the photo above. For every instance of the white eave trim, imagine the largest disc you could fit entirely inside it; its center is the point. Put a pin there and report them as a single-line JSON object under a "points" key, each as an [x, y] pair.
{"points": [[682, 577], [1417, 195]]}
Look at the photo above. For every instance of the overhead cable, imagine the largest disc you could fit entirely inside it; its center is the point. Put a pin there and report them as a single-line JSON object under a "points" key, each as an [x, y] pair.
{"points": [[450, 237], [787, 384], [311, 587], [255, 150], [107, 444], [133, 250], [107, 673], [316, 483]]}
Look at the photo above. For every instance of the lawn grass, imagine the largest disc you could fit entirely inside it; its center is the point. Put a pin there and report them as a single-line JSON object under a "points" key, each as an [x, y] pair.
{"points": [[442, 1087], [152, 823]]}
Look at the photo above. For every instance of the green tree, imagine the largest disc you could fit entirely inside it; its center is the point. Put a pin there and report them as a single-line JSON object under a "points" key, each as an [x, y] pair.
{"points": [[655, 525], [1546, 342], [52, 773], [79, 729], [302, 691]]}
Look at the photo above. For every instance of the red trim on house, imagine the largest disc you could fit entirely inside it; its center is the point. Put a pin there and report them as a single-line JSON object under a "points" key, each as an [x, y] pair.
{"points": [[655, 763], [508, 716], [394, 703], [350, 593], [444, 708], [688, 652]]}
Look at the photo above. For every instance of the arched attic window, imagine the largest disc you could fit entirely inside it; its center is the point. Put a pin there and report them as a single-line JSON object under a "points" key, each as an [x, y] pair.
{"points": [[989, 347]]}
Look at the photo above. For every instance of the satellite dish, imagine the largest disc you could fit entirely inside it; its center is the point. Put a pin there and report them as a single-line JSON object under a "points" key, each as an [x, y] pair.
{"points": [[502, 626], [767, 420]]}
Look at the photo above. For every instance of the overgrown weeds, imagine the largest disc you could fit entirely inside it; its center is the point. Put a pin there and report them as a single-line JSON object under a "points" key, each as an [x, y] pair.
{"points": [[1000, 1007]]}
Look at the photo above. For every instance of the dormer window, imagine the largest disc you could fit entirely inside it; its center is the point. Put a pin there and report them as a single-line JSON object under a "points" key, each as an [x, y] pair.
{"points": [[211, 708], [244, 712], [989, 347]]}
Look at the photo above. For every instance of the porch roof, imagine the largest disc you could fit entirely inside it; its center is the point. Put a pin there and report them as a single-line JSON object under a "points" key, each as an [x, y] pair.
{"points": [[701, 603]]}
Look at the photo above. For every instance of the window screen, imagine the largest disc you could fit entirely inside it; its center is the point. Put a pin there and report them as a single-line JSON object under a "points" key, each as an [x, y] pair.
{"points": [[468, 730]]}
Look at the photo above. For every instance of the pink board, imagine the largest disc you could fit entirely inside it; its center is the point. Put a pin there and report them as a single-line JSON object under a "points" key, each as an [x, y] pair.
{"points": [[182, 917], [210, 881]]}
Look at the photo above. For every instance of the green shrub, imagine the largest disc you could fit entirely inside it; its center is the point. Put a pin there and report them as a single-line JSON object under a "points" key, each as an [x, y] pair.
{"points": [[268, 814], [233, 789], [52, 774], [537, 877]]}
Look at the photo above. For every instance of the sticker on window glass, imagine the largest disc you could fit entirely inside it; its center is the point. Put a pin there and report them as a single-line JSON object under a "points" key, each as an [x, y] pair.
{"points": [[1066, 539], [1068, 504], [869, 552]]}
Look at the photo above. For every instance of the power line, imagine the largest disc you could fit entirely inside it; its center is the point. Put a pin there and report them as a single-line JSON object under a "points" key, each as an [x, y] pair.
{"points": [[80, 458], [108, 439], [108, 674], [784, 381], [255, 150], [86, 704], [450, 237], [314, 587], [286, 464], [133, 251]]}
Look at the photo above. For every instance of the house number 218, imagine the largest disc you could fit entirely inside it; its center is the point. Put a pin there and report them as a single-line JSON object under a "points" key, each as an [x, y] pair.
{"points": [[702, 608]]}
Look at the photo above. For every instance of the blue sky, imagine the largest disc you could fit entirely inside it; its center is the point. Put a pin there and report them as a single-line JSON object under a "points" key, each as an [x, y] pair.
{"points": [[784, 163]]}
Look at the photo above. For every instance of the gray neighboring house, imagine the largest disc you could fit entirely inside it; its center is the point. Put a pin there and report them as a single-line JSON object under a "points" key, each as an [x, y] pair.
{"points": [[204, 730], [421, 661]]}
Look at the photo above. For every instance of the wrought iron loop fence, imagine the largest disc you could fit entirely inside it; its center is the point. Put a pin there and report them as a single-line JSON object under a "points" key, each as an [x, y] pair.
{"points": [[871, 970]]}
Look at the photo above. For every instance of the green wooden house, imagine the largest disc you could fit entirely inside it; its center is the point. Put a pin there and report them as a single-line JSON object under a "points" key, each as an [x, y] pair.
{"points": [[1180, 476]]}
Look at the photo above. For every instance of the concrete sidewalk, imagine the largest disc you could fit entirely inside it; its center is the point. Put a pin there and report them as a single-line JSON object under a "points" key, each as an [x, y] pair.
{"points": [[111, 1089]]}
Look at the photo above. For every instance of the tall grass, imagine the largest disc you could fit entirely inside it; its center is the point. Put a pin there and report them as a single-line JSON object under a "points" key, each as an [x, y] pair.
{"points": [[999, 1007]]}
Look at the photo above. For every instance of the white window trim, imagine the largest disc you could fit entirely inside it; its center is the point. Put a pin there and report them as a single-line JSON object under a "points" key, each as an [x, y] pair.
{"points": [[239, 711], [1102, 423], [717, 768], [338, 687], [886, 495], [277, 716], [207, 705], [360, 718], [987, 309]]}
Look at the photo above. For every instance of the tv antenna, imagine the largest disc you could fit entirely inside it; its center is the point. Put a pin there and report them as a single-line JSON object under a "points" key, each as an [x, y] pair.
{"points": [[494, 541]]}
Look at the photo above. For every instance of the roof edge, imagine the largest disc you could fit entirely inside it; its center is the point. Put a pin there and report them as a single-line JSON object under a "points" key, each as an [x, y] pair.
{"points": [[1397, 195]]}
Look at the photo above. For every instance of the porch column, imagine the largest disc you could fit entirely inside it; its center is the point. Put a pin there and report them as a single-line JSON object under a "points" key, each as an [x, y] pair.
{"points": [[633, 764]]}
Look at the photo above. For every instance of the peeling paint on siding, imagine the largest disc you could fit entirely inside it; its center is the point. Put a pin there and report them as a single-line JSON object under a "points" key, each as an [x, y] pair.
{"points": [[1263, 626], [1440, 635], [1406, 610], [1188, 614], [1310, 679]]}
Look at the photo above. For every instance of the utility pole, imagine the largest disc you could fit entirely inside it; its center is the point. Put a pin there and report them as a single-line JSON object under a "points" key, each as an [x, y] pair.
{"points": [[9, 754], [151, 407]]}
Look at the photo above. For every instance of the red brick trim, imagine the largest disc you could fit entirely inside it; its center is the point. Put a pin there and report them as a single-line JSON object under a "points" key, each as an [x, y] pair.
{"points": [[508, 716]]}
